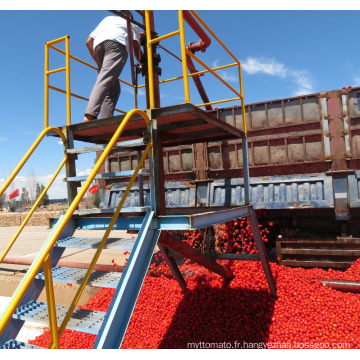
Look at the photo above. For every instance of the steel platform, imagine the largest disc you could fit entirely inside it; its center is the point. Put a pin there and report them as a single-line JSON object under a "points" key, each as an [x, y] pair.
{"points": [[177, 125]]}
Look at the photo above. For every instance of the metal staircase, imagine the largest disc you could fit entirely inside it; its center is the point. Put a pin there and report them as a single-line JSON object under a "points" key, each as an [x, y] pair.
{"points": [[128, 285], [44, 271]]}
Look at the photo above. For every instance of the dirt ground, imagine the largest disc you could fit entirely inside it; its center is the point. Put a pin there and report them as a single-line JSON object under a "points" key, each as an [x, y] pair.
{"points": [[40, 217]]}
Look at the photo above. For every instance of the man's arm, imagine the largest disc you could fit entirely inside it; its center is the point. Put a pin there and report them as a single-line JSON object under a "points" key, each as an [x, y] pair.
{"points": [[90, 46], [137, 51]]}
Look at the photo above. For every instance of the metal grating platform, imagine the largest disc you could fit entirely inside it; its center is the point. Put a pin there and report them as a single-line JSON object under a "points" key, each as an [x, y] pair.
{"points": [[93, 243], [82, 320], [75, 276], [134, 209], [112, 175], [178, 125], [133, 144], [14, 344]]}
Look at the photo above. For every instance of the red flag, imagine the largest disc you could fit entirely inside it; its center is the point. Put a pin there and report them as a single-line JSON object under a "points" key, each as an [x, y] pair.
{"points": [[14, 194], [94, 189]]}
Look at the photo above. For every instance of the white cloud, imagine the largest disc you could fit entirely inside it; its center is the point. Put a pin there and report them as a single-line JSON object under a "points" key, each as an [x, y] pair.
{"points": [[227, 76], [2, 139], [357, 81], [216, 63], [141, 92], [130, 90], [84, 172], [270, 67], [301, 78]]}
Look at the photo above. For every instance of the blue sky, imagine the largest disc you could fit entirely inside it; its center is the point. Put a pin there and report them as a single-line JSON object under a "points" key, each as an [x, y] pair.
{"points": [[283, 54]]}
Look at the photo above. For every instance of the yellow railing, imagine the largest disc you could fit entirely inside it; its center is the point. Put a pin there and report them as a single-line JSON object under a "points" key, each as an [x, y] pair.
{"points": [[28, 154], [66, 68], [43, 259], [43, 193], [239, 93], [184, 53], [33, 208]]}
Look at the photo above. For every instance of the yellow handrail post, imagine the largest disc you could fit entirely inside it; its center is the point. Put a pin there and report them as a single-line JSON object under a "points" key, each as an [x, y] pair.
{"points": [[242, 99], [46, 90], [67, 62], [183, 56], [50, 297]]}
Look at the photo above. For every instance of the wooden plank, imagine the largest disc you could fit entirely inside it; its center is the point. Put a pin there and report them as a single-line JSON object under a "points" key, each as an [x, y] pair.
{"points": [[319, 241], [326, 253], [319, 264], [329, 252]]}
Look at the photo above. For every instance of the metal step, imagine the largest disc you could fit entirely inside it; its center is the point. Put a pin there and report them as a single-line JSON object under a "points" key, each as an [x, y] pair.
{"points": [[75, 276], [124, 144], [133, 209], [81, 320], [93, 243], [15, 344], [102, 223], [116, 174]]}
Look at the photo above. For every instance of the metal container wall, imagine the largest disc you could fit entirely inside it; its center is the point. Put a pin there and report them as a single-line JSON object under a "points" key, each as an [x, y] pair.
{"points": [[304, 152], [282, 135], [352, 126], [277, 192]]}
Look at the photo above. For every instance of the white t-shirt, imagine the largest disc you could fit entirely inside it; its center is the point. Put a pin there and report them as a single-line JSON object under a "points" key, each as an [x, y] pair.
{"points": [[114, 28]]}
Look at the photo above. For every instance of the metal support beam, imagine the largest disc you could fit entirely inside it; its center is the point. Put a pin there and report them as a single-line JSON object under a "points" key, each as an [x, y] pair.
{"points": [[173, 266], [192, 254], [201, 220], [71, 169], [197, 221], [140, 182], [246, 173], [118, 316], [262, 252]]}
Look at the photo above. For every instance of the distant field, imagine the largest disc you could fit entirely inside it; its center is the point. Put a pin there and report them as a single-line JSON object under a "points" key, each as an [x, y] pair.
{"points": [[41, 216]]}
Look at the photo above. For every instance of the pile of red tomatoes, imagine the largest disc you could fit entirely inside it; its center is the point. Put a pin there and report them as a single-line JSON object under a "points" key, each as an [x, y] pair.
{"points": [[239, 314]]}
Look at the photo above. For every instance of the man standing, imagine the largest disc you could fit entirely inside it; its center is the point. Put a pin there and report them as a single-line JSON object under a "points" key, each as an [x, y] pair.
{"points": [[108, 45]]}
